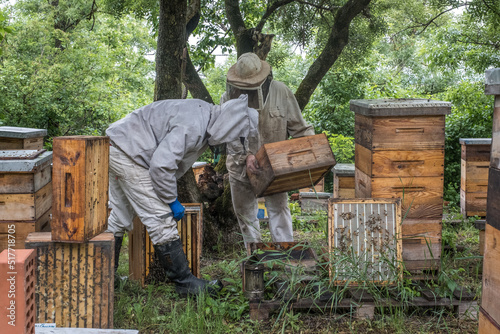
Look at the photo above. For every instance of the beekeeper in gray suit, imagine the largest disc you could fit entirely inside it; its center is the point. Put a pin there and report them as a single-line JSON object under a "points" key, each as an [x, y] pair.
{"points": [[279, 118], [150, 149]]}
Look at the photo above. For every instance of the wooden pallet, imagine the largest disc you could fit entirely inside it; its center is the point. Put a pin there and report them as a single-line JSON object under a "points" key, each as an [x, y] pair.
{"points": [[360, 304]]}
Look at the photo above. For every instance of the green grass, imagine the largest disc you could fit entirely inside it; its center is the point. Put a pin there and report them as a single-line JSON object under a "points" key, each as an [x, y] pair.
{"points": [[157, 309]]}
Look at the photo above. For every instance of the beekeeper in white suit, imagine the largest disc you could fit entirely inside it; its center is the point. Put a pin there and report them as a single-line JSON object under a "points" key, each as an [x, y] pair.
{"points": [[150, 149], [279, 118]]}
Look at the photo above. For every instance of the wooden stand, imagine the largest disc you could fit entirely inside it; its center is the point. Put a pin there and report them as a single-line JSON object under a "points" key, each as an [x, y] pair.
{"points": [[80, 181], [75, 281], [292, 164], [141, 250], [400, 153]]}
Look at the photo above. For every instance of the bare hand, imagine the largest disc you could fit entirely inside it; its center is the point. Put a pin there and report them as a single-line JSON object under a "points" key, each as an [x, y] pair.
{"points": [[252, 164]]}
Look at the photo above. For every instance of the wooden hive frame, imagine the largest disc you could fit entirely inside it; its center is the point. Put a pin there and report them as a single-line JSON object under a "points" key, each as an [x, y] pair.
{"points": [[347, 233], [141, 250]]}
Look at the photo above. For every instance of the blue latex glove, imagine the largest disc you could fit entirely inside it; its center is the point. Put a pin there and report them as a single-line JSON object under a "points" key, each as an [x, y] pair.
{"points": [[177, 209]]}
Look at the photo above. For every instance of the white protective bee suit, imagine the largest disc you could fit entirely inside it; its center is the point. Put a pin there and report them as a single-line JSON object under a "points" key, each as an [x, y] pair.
{"points": [[279, 118], [154, 146]]}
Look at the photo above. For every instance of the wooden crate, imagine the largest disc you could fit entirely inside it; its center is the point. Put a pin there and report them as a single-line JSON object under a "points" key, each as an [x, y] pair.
{"points": [[16, 138], [319, 187], [474, 175], [141, 250], [343, 181], [292, 164], [80, 178], [368, 231], [75, 281]]}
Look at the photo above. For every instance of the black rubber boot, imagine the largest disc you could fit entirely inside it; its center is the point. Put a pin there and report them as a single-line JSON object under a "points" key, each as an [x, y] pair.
{"points": [[118, 247], [174, 261]]}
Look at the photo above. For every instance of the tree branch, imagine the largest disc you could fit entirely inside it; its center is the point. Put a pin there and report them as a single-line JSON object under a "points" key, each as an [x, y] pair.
{"points": [[338, 39], [269, 11]]}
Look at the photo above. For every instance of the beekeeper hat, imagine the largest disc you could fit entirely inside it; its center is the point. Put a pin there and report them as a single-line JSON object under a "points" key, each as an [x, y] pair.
{"points": [[249, 71]]}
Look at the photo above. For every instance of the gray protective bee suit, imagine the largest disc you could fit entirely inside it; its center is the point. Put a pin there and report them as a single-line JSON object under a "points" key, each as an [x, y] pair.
{"points": [[279, 119], [154, 146]]}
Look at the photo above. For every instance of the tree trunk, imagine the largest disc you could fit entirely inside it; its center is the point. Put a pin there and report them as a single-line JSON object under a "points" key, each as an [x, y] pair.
{"points": [[170, 46]]}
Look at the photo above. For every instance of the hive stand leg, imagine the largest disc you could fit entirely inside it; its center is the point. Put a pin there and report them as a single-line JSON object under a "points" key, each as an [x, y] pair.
{"points": [[365, 312], [467, 310], [258, 311]]}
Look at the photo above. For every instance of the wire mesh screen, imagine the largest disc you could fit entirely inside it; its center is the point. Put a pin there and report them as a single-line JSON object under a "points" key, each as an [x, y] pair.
{"points": [[364, 240]]}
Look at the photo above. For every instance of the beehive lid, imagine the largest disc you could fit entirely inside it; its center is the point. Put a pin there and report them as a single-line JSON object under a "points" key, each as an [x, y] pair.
{"points": [[24, 160], [400, 107], [316, 195], [15, 132], [492, 81], [475, 141], [343, 170]]}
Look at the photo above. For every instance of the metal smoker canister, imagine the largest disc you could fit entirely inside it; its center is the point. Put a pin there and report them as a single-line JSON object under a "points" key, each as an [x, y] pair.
{"points": [[253, 280]]}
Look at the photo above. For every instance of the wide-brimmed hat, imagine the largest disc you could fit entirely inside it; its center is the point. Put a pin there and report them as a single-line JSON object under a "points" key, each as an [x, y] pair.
{"points": [[249, 71]]}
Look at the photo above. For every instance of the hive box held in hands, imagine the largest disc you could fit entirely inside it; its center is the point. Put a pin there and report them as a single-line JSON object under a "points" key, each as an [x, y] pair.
{"points": [[80, 183], [292, 164]]}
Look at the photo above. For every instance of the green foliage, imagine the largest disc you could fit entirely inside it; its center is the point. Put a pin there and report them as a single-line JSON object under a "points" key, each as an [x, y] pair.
{"points": [[4, 29], [99, 74], [342, 147]]}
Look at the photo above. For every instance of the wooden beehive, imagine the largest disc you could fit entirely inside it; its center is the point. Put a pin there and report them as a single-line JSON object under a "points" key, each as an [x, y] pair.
{"points": [[399, 153], [141, 250], [25, 195], [319, 187], [311, 202], [364, 239], [475, 163], [80, 179], [75, 281], [292, 164], [286, 255], [489, 317], [16, 138], [343, 181]]}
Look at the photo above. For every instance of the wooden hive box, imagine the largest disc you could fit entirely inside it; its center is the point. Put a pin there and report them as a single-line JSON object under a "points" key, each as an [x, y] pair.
{"points": [[319, 187], [364, 240], [292, 164], [141, 250], [80, 179], [399, 153], [311, 202], [75, 281], [475, 163], [17, 138], [343, 181], [25, 195], [489, 317]]}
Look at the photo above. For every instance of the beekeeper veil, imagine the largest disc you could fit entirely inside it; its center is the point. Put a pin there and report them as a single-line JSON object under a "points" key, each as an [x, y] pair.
{"points": [[250, 76], [232, 121]]}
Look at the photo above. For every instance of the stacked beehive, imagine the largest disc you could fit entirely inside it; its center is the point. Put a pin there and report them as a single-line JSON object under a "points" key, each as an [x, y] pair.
{"points": [[474, 179], [489, 316], [25, 185], [343, 181], [399, 152], [75, 262]]}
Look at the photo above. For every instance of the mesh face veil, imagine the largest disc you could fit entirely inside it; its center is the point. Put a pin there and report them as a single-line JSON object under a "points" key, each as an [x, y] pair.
{"points": [[257, 96]]}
